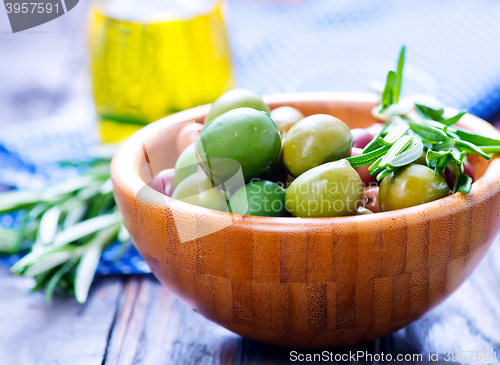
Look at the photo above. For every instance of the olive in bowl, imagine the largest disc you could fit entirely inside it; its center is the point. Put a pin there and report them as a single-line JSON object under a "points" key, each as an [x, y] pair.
{"points": [[409, 186], [315, 140], [186, 165], [333, 189], [286, 117], [199, 190], [260, 198], [233, 99], [242, 137]]}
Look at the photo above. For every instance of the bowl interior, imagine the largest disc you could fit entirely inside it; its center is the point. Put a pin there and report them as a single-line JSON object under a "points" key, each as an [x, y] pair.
{"points": [[159, 146]]}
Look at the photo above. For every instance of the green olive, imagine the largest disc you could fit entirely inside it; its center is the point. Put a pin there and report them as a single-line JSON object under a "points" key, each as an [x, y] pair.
{"points": [[286, 117], [263, 198], [186, 164], [199, 190], [242, 137], [237, 98], [315, 140], [409, 186], [333, 189]]}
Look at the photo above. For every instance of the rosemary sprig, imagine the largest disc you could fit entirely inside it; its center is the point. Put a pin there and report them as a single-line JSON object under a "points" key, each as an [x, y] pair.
{"points": [[415, 127], [66, 228]]}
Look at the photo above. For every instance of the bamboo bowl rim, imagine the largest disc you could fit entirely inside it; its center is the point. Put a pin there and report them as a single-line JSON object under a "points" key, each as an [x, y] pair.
{"points": [[132, 149]]}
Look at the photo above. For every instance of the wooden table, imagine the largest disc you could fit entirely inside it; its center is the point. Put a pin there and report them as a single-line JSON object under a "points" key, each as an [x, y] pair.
{"points": [[134, 320]]}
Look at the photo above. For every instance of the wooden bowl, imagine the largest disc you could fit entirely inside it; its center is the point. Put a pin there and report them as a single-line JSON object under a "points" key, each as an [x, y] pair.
{"points": [[315, 282]]}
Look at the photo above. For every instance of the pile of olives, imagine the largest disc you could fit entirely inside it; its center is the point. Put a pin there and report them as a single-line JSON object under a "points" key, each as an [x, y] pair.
{"points": [[249, 160]]}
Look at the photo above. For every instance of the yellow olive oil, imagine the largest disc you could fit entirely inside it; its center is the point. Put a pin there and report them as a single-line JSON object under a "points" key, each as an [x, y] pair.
{"points": [[151, 58]]}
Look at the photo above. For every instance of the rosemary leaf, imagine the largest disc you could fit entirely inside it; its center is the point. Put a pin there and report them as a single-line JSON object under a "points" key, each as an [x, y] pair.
{"points": [[90, 259], [15, 200], [476, 138], [373, 145], [75, 215], [54, 279], [375, 165], [367, 158], [453, 119], [60, 224], [8, 240], [49, 261], [383, 174], [48, 225], [398, 131], [410, 155], [458, 156], [443, 146], [430, 113], [428, 132], [396, 148], [85, 228], [490, 149], [464, 184], [397, 87], [415, 125], [388, 96], [472, 148], [67, 187]]}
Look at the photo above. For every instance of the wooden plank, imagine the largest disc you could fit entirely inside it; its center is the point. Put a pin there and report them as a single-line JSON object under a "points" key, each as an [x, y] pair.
{"points": [[154, 327], [62, 332]]}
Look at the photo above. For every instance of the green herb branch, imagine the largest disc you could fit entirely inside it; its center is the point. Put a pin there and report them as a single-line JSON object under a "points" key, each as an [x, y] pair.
{"points": [[417, 127], [66, 228]]}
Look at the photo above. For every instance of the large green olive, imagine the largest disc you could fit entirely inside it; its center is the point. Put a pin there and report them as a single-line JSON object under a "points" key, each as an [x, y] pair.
{"points": [[263, 198], [315, 140], [409, 186], [237, 98], [241, 137], [333, 189], [186, 164], [199, 190]]}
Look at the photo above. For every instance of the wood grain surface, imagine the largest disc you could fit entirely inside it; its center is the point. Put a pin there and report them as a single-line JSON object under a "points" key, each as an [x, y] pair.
{"points": [[305, 282]]}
